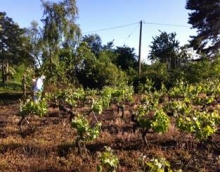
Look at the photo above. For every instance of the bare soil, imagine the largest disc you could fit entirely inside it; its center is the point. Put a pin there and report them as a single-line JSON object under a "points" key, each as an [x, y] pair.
{"points": [[50, 144]]}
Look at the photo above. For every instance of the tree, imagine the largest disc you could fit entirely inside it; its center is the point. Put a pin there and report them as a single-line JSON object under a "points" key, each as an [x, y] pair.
{"points": [[125, 58], [205, 17], [34, 37], [94, 42], [165, 49], [11, 45], [60, 29], [97, 72]]}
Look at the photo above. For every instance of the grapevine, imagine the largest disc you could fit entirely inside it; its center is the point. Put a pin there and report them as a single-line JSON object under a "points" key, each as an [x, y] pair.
{"points": [[202, 124], [85, 131], [108, 160], [151, 116], [29, 108]]}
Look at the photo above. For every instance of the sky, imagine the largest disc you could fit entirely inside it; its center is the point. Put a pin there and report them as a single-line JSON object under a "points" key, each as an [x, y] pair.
{"points": [[116, 20]]}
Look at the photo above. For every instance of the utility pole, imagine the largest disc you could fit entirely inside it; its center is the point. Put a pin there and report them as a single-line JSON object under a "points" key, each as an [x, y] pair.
{"points": [[139, 58]]}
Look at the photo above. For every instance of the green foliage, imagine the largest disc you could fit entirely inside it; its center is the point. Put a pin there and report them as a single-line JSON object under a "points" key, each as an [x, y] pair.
{"points": [[97, 105], [104, 97], [200, 122], [122, 93], [12, 46], [204, 17], [158, 165], [108, 160], [179, 89], [68, 96], [156, 73], [97, 72], [165, 48], [59, 30], [203, 124], [30, 107], [94, 42], [13, 49], [16, 83], [59, 21], [19, 72], [125, 58], [195, 72], [146, 87], [33, 35], [151, 116], [84, 130], [160, 122], [10, 86], [202, 93]]}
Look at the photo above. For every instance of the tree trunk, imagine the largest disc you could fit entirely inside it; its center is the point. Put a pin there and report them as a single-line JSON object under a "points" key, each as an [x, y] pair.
{"points": [[50, 61], [24, 86], [6, 71], [3, 71]]}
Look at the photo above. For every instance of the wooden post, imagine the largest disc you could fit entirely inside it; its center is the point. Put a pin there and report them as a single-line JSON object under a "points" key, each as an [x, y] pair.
{"points": [[24, 86], [139, 59]]}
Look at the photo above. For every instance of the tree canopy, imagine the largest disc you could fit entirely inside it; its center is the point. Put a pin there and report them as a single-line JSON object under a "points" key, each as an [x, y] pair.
{"points": [[59, 30], [164, 48], [59, 51], [12, 45], [94, 42], [205, 17]]}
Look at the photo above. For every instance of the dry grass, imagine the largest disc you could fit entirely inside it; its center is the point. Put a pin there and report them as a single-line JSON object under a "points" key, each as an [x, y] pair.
{"points": [[51, 145]]}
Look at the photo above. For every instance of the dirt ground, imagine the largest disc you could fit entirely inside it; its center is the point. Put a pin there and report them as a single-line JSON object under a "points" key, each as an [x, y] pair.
{"points": [[50, 146]]}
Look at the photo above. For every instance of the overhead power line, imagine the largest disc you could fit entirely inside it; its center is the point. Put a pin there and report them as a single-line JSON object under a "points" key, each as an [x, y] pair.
{"points": [[116, 27], [147, 23], [131, 33], [164, 24]]}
